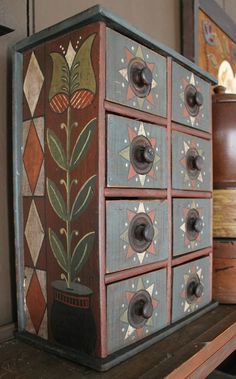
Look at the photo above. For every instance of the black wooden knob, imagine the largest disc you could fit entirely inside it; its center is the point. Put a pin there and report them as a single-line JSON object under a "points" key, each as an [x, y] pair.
{"points": [[144, 232], [198, 162], [198, 290], [198, 98], [146, 76], [193, 99], [194, 224], [142, 154], [198, 225], [195, 288], [147, 310], [140, 309], [140, 77], [148, 154]]}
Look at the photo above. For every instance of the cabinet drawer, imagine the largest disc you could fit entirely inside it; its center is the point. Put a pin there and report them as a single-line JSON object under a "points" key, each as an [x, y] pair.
{"points": [[136, 308], [135, 75], [136, 153], [191, 163], [191, 287], [191, 104], [135, 233], [191, 225]]}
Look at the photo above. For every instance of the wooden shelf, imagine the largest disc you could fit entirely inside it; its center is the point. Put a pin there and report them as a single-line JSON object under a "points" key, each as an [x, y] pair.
{"points": [[192, 352]]}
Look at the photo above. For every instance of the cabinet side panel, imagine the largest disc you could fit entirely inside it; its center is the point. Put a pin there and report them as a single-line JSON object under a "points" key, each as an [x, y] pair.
{"points": [[71, 112]]}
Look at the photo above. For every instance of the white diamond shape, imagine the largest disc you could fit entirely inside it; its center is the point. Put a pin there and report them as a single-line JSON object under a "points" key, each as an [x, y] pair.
{"points": [[33, 83], [70, 55], [34, 232]]}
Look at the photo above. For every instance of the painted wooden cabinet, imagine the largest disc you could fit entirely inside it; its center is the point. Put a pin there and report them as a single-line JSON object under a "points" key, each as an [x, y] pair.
{"points": [[104, 174]]}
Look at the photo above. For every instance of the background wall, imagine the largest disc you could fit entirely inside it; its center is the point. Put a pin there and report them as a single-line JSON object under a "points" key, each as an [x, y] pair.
{"points": [[158, 18]]}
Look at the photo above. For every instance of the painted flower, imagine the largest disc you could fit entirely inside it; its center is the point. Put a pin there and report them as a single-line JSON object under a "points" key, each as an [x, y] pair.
{"points": [[73, 81]]}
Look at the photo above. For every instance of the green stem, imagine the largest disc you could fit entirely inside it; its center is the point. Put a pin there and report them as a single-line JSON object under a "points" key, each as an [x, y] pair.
{"points": [[68, 189]]}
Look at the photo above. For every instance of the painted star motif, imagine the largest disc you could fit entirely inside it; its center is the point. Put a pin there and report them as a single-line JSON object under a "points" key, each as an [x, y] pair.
{"points": [[126, 327], [193, 183], [152, 249], [125, 153], [194, 120], [187, 306], [128, 56], [191, 244]]}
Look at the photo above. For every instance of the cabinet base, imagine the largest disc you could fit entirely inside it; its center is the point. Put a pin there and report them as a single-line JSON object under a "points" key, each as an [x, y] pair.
{"points": [[104, 364]]}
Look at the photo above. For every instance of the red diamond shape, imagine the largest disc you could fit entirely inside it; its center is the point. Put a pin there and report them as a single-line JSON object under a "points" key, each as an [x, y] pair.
{"points": [[35, 302], [33, 157]]}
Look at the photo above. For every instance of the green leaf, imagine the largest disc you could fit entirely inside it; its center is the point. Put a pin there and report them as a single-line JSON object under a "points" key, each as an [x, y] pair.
{"points": [[212, 59], [83, 198], [60, 76], [82, 74], [56, 149], [82, 144], [56, 200], [81, 253], [58, 250]]}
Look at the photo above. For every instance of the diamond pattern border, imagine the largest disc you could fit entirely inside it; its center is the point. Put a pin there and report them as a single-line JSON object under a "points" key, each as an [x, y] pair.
{"points": [[33, 178], [35, 288]]}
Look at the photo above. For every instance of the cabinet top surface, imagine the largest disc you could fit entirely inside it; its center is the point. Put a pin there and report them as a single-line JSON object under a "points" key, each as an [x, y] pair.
{"points": [[98, 13]]}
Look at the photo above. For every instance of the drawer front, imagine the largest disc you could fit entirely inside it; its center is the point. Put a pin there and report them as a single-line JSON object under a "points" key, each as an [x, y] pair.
{"points": [[135, 233], [192, 226], [191, 163], [136, 153], [191, 287], [191, 102], [146, 293], [135, 75]]}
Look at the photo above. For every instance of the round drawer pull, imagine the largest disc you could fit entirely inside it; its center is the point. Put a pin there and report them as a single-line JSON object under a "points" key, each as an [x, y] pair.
{"points": [[145, 154], [141, 232], [198, 162], [140, 77], [193, 99], [194, 224], [142, 155], [144, 232], [194, 288], [194, 163], [140, 309]]}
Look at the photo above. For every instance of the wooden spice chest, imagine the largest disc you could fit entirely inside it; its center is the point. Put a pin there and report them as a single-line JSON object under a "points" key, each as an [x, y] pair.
{"points": [[113, 188]]}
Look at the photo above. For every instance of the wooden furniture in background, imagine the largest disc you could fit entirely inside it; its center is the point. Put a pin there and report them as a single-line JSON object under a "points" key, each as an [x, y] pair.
{"points": [[224, 195]]}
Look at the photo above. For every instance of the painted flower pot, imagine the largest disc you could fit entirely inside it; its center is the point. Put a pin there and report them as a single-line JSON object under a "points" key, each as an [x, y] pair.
{"points": [[71, 317]]}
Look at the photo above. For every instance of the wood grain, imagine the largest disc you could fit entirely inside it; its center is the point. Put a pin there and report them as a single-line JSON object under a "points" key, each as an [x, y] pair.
{"points": [[224, 213], [224, 271]]}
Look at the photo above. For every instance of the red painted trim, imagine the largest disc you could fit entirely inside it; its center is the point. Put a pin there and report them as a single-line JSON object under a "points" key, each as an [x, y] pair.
{"points": [[190, 256], [169, 191], [102, 349], [191, 131], [135, 271], [125, 111], [195, 194], [135, 192]]}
